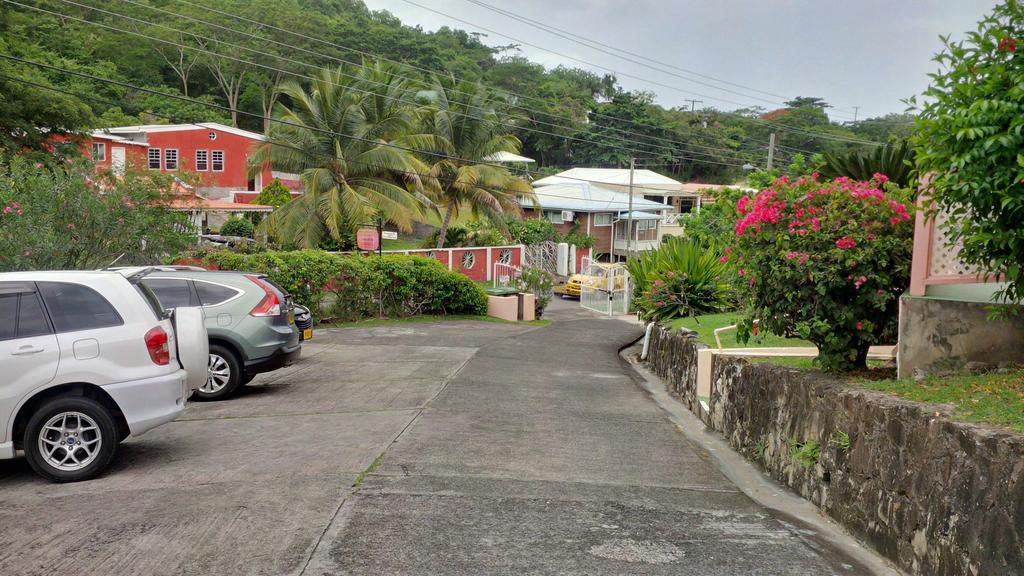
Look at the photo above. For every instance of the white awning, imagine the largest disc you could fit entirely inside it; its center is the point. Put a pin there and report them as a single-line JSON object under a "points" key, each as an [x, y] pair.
{"points": [[507, 157]]}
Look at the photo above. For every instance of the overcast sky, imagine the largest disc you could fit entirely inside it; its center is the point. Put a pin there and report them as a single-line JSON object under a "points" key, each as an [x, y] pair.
{"points": [[867, 53]]}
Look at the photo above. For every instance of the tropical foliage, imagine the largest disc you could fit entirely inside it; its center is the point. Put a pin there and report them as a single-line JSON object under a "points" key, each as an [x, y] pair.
{"points": [[681, 278], [466, 123], [971, 134], [895, 160], [66, 217], [350, 137], [826, 261]]}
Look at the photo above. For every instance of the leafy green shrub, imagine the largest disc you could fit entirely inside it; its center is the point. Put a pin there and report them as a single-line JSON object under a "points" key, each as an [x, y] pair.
{"points": [[274, 194], [237, 227], [681, 278], [970, 138], [540, 283], [826, 261], [358, 287], [531, 230], [400, 286]]}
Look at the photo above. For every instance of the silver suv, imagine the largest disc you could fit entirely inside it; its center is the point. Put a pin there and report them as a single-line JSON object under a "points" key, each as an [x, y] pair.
{"points": [[88, 359], [250, 321]]}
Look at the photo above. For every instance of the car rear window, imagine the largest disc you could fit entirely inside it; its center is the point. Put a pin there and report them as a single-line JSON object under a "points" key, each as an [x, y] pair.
{"points": [[172, 292], [76, 307], [212, 294], [8, 315]]}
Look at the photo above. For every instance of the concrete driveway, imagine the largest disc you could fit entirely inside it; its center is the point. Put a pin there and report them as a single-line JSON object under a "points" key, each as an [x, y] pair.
{"points": [[477, 447]]}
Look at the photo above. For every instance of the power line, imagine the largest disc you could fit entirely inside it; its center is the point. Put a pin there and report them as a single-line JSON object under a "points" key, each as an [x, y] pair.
{"points": [[518, 96], [440, 155], [727, 153], [618, 73], [598, 46], [426, 70]]}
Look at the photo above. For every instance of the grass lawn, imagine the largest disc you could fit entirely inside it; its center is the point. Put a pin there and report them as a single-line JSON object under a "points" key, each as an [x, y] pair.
{"points": [[373, 322], [988, 398], [706, 325], [402, 244]]}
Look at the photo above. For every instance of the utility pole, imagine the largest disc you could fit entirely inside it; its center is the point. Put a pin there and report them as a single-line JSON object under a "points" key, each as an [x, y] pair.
{"points": [[771, 150], [629, 213], [693, 103], [855, 110]]}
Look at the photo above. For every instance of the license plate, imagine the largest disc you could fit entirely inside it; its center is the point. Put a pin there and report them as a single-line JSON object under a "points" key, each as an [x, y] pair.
{"points": [[307, 334]]}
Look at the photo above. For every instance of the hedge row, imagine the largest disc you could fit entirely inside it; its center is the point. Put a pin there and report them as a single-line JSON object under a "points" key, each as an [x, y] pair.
{"points": [[347, 288]]}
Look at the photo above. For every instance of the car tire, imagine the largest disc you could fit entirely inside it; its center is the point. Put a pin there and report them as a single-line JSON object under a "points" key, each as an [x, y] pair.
{"points": [[70, 421], [224, 374]]}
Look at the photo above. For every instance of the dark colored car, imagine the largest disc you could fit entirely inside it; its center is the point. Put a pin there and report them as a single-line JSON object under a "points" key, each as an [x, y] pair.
{"points": [[250, 320]]}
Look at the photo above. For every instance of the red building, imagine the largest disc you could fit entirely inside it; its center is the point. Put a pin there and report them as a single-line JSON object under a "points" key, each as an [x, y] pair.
{"points": [[218, 154]]}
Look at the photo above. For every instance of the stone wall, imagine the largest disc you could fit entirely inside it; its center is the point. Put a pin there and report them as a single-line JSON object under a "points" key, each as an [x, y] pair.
{"points": [[937, 497]]}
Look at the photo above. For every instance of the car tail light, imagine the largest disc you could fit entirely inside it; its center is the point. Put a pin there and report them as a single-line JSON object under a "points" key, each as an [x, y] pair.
{"points": [[157, 344], [270, 305]]}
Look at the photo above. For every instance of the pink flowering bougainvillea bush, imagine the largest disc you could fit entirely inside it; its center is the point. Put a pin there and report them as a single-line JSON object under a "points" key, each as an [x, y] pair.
{"points": [[826, 261], [67, 217]]}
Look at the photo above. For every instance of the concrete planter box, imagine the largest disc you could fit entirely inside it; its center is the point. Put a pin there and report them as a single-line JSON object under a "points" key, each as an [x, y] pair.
{"points": [[514, 308]]}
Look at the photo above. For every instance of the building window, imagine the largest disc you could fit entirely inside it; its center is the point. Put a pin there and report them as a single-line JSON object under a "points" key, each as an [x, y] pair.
{"points": [[171, 159], [686, 204], [154, 158], [604, 219], [99, 151], [218, 160], [554, 216], [202, 160]]}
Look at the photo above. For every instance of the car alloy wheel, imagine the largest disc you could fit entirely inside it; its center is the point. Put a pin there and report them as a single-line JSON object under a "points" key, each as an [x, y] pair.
{"points": [[70, 441], [218, 375]]}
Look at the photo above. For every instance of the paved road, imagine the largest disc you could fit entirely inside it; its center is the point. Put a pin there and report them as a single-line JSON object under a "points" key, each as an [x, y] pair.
{"points": [[478, 448]]}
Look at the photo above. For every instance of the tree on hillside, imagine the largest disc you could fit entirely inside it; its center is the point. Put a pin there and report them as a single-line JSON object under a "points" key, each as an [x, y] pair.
{"points": [[801, 101], [350, 149], [467, 128]]}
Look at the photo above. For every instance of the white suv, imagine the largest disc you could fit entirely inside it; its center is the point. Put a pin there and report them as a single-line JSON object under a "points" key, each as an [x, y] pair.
{"points": [[88, 359]]}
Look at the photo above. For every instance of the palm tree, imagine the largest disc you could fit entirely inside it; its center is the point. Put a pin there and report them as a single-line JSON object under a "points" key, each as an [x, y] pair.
{"points": [[350, 139], [466, 127]]}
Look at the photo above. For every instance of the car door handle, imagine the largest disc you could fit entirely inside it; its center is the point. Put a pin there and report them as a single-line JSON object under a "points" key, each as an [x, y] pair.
{"points": [[29, 349]]}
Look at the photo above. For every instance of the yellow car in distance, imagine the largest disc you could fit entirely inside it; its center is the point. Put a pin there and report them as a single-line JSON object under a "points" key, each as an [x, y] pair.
{"points": [[596, 276]]}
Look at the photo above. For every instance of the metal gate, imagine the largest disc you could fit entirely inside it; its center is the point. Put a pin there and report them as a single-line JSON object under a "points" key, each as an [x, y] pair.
{"points": [[606, 289], [543, 255]]}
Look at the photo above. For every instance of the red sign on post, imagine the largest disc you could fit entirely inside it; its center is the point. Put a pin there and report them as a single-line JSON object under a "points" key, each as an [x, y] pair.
{"points": [[367, 239]]}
